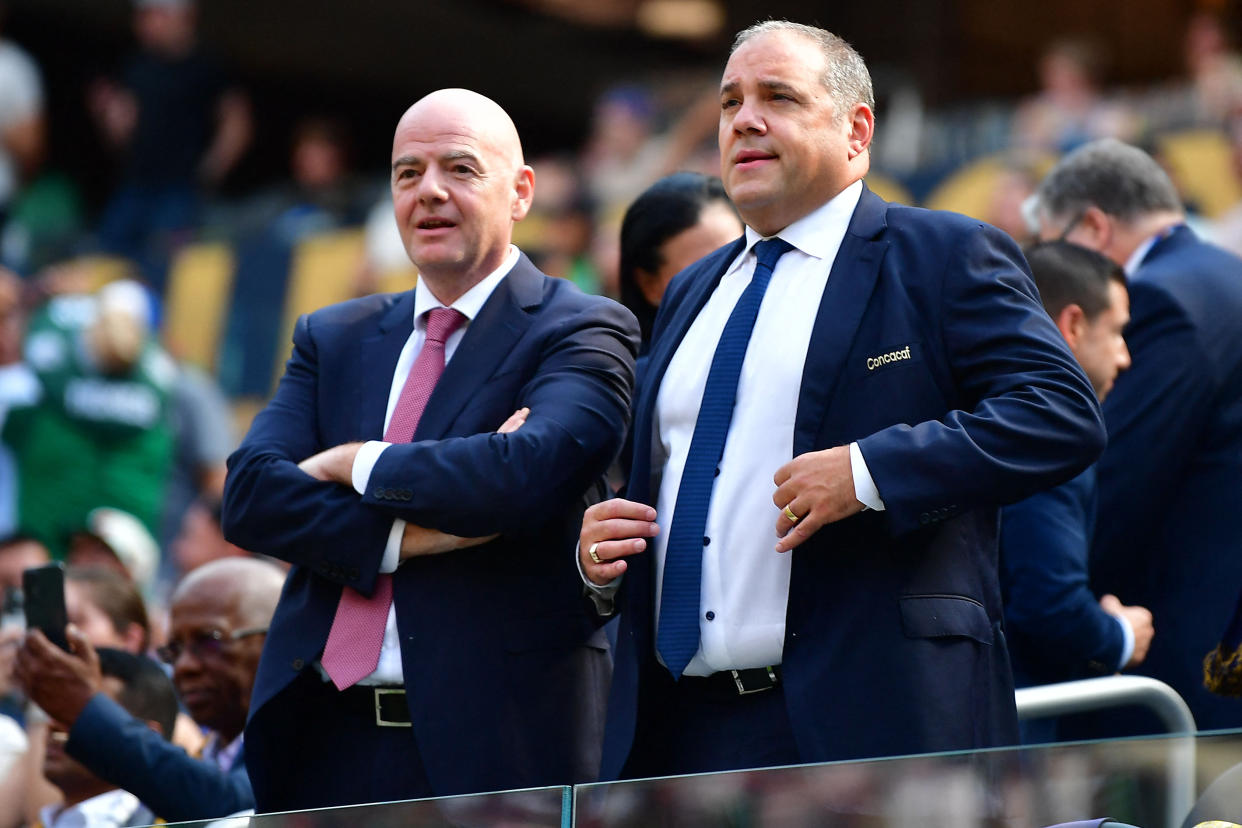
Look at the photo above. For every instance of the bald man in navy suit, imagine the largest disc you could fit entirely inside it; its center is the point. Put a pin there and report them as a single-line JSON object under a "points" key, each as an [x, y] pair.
{"points": [[491, 672]]}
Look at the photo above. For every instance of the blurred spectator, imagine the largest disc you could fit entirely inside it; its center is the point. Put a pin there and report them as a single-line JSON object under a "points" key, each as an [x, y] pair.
{"points": [[627, 150], [1227, 229], [1013, 186], [107, 608], [22, 139], [137, 685], [220, 614], [17, 387], [116, 541], [179, 128], [99, 432], [201, 540], [17, 554], [1069, 108], [203, 437], [1057, 629], [1170, 480], [1215, 70], [674, 223]]}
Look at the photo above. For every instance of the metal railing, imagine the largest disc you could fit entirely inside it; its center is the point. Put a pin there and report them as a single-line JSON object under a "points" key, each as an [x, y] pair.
{"points": [[1114, 691]]}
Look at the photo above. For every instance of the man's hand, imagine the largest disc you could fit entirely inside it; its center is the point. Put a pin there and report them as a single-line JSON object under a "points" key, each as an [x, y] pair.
{"points": [[417, 540], [613, 530], [818, 487], [1139, 619], [334, 465], [61, 683]]}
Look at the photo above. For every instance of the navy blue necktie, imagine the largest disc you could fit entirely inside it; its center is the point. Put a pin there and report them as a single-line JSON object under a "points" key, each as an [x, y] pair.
{"points": [[678, 637]]}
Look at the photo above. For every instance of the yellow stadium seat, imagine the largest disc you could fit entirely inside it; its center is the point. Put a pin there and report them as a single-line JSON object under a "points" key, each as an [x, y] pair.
{"points": [[1200, 162], [969, 189], [200, 284], [889, 189], [323, 272]]}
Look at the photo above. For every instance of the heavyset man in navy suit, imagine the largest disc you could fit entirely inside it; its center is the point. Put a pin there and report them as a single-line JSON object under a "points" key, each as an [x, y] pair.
{"points": [[1058, 630], [491, 673], [1170, 480], [900, 383]]}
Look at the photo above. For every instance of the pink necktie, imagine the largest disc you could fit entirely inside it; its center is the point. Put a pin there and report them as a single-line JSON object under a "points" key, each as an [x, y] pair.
{"points": [[353, 647]]}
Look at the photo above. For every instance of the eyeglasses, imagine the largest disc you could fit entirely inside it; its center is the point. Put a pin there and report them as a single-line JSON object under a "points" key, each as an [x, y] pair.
{"points": [[1074, 222], [205, 644]]}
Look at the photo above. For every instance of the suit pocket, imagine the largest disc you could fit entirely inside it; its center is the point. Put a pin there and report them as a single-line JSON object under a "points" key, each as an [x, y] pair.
{"points": [[945, 616]]}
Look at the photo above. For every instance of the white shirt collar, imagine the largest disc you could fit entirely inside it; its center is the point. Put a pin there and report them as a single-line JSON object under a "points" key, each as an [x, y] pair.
{"points": [[471, 302], [819, 232], [1140, 253]]}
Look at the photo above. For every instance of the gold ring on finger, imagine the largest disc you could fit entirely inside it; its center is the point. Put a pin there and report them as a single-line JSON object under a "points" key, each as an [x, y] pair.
{"points": [[790, 515], [591, 553]]}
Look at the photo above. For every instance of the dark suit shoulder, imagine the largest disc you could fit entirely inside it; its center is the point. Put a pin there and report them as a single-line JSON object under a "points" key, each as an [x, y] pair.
{"points": [[352, 311], [921, 226]]}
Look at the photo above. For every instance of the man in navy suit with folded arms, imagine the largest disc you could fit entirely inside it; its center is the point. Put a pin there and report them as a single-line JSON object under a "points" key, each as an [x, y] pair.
{"points": [[835, 407], [432, 638]]}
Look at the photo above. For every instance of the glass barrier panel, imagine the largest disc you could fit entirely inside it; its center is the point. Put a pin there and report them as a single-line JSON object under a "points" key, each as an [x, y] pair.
{"points": [[1148, 782], [533, 808]]}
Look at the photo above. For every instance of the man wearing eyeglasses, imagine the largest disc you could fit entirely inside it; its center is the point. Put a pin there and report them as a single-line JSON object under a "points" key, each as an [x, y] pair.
{"points": [[219, 616]]}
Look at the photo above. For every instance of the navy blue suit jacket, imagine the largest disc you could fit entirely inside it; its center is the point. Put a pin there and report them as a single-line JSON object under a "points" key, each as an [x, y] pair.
{"points": [[1169, 535], [487, 633], [1057, 630], [893, 639], [120, 749]]}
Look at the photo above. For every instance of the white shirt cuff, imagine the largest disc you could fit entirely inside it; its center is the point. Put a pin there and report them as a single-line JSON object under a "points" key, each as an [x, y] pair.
{"points": [[864, 487], [364, 463], [1127, 643], [392, 551], [602, 597]]}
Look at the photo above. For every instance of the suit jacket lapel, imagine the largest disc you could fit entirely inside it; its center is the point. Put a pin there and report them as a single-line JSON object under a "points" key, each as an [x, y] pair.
{"points": [[850, 283], [378, 358], [505, 316]]}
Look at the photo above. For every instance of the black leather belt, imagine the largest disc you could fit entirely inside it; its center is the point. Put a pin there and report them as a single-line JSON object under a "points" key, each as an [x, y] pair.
{"points": [[734, 682], [385, 706]]}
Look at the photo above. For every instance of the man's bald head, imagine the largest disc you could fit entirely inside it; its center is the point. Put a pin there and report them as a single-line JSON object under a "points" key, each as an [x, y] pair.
{"points": [[458, 186], [485, 117], [247, 589]]}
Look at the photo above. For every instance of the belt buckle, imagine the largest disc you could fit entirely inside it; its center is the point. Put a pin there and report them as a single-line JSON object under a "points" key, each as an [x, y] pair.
{"points": [[380, 721], [741, 686]]}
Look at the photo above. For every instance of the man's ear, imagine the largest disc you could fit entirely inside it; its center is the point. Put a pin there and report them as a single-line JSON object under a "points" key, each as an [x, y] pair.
{"points": [[524, 192], [1098, 228], [862, 129], [1071, 322]]}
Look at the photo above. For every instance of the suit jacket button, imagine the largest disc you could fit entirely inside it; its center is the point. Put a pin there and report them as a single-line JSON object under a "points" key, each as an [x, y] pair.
{"points": [[298, 664]]}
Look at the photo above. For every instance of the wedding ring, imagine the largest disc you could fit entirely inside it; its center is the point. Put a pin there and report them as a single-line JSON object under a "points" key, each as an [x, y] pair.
{"points": [[789, 514], [591, 552]]}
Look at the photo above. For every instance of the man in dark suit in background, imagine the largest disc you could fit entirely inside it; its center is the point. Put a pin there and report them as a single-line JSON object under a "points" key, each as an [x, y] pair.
{"points": [[1167, 533], [902, 381], [1057, 629], [472, 665]]}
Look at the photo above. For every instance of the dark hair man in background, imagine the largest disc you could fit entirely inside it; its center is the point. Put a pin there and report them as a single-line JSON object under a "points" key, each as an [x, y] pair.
{"points": [[1057, 629]]}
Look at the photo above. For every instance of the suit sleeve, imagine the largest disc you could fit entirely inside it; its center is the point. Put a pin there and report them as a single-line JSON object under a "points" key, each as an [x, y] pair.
{"points": [[579, 400], [1156, 415], [272, 506], [120, 749], [1022, 416], [1044, 547]]}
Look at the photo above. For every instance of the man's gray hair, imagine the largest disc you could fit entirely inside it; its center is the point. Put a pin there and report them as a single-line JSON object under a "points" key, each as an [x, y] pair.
{"points": [[846, 78], [1121, 180]]}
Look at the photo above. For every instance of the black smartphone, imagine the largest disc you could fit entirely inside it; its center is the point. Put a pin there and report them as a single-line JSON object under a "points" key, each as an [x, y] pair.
{"points": [[43, 591]]}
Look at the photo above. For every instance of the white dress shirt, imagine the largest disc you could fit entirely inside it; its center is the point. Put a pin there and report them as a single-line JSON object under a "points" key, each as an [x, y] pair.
{"points": [[745, 582], [389, 671], [107, 810]]}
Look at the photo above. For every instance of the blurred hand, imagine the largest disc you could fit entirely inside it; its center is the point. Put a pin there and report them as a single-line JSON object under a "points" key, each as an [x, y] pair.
{"points": [[10, 641], [334, 465], [613, 530], [1140, 622], [59, 682]]}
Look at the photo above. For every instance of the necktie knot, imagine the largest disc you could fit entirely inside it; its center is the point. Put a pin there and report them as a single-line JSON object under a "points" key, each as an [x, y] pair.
{"points": [[769, 250], [441, 322]]}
